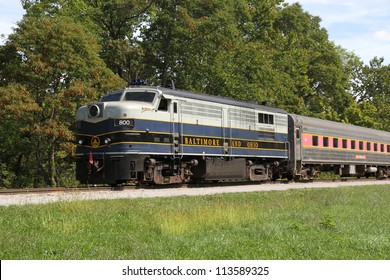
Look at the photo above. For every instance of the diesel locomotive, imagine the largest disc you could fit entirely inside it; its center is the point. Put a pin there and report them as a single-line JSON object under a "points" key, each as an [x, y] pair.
{"points": [[155, 135]]}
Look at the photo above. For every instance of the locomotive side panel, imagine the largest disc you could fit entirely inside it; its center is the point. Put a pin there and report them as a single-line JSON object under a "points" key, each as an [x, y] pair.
{"points": [[232, 133]]}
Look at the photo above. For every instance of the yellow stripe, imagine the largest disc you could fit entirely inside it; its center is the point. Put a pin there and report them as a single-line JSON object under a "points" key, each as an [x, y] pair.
{"points": [[121, 143], [123, 131]]}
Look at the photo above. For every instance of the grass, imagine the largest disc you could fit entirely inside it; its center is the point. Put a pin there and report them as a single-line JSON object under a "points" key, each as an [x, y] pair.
{"points": [[341, 223]]}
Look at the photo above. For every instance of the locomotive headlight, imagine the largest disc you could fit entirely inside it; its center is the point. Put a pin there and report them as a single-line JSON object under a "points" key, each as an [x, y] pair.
{"points": [[107, 141], [81, 141], [94, 111]]}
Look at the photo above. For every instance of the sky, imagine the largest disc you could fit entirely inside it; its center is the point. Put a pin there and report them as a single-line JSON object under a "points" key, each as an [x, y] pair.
{"points": [[11, 11], [360, 26]]}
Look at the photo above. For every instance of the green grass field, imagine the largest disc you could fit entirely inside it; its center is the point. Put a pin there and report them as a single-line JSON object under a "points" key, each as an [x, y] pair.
{"points": [[341, 223]]}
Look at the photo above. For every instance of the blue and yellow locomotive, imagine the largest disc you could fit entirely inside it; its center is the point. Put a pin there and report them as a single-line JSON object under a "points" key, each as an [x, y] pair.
{"points": [[165, 136]]}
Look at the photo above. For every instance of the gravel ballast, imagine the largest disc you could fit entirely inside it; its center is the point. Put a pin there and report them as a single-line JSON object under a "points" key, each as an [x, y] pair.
{"points": [[50, 197]]}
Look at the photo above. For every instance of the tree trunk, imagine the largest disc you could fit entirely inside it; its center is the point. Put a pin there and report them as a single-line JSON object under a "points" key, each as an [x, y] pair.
{"points": [[52, 164]]}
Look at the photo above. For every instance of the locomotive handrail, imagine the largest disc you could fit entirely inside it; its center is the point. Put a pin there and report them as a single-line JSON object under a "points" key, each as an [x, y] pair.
{"points": [[288, 149], [180, 120]]}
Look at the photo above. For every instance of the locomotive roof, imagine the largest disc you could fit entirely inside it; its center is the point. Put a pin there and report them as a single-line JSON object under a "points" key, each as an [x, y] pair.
{"points": [[214, 99]]}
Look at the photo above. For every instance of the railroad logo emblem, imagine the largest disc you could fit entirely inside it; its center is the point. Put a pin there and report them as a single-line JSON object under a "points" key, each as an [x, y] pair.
{"points": [[95, 142]]}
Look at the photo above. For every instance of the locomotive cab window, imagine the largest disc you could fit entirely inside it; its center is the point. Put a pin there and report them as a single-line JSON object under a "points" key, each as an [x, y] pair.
{"points": [[164, 103]]}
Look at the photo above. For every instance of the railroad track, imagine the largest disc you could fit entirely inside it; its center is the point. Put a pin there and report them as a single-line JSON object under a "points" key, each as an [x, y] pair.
{"points": [[51, 195], [50, 190], [177, 186]]}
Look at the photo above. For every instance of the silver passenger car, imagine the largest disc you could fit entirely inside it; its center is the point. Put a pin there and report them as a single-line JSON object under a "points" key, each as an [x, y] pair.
{"points": [[348, 150]]}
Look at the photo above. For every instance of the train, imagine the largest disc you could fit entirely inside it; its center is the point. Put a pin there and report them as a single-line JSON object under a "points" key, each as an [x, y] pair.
{"points": [[156, 135]]}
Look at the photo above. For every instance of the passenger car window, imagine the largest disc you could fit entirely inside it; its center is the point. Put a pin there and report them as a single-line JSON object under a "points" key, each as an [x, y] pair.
{"points": [[335, 142], [326, 142], [345, 143], [315, 140], [298, 134]]}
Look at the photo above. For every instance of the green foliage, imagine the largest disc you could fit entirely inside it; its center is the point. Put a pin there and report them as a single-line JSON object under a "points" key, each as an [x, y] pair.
{"points": [[342, 223], [328, 222], [51, 67], [17, 111], [372, 90], [7, 177]]}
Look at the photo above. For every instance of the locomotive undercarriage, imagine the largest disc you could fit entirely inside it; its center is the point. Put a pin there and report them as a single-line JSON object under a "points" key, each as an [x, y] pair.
{"points": [[197, 169], [116, 169]]}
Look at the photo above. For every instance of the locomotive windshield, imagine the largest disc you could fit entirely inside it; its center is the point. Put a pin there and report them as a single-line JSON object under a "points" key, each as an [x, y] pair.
{"points": [[145, 96], [115, 96], [142, 96]]}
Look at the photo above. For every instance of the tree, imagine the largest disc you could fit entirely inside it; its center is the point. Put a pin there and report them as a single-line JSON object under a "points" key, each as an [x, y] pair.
{"points": [[17, 111], [312, 62], [115, 22], [56, 63], [372, 85]]}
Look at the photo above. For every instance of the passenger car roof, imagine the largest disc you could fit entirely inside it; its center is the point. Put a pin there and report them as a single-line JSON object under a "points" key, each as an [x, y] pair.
{"points": [[323, 127]]}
